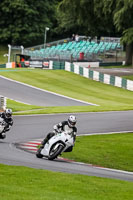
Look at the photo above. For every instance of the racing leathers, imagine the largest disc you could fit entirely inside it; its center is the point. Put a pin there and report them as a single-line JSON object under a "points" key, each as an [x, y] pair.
{"points": [[59, 128], [8, 120]]}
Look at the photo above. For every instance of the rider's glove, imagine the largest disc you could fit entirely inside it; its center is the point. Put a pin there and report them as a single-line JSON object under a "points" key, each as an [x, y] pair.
{"points": [[56, 129]]}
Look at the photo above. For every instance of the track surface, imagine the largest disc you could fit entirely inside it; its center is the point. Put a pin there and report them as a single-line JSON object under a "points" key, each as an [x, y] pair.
{"points": [[34, 96], [33, 127]]}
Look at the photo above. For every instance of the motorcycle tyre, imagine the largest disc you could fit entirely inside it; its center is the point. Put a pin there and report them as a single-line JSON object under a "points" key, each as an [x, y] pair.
{"points": [[38, 153], [2, 136], [56, 153]]}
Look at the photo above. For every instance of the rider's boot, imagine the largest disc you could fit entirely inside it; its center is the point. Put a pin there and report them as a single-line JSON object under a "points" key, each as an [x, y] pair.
{"points": [[44, 142], [47, 139]]}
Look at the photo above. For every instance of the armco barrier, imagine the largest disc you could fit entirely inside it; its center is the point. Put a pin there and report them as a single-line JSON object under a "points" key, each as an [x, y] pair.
{"points": [[98, 76], [104, 64], [58, 65], [3, 66]]}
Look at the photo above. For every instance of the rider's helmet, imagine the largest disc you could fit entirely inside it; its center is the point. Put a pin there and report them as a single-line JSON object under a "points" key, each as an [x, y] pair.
{"points": [[72, 121], [8, 113]]}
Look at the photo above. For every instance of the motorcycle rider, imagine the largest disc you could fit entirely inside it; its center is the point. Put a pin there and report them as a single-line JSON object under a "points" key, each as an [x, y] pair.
{"points": [[68, 125], [7, 116]]}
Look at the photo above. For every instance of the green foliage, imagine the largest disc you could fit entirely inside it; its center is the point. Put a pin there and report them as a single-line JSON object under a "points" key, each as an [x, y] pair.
{"points": [[97, 17], [3, 50], [127, 36], [22, 22], [123, 19], [87, 16], [123, 14]]}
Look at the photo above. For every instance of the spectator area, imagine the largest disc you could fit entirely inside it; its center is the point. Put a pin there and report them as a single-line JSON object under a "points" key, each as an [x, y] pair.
{"points": [[72, 50]]}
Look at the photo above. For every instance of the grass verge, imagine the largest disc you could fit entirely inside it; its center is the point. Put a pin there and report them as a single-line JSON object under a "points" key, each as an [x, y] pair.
{"points": [[17, 106], [111, 151], [24, 183], [130, 77], [102, 150], [66, 83]]}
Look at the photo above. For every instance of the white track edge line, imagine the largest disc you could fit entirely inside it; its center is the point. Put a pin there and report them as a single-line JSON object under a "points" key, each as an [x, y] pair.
{"points": [[48, 91]]}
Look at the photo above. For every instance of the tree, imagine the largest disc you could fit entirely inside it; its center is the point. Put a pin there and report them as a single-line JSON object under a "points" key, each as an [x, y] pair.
{"points": [[123, 19], [99, 17], [24, 22], [86, 17]]}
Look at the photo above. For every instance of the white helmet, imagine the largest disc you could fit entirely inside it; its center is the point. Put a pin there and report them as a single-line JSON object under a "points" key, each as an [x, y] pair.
{"points": [[72, 121], [8, 113]]}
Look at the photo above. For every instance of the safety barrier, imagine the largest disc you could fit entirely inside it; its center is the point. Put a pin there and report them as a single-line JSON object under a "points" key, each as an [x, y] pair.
{"points": [[10, 65], [2, 65], [2, 103], [98, 76], [89, 73], [94, 75]]}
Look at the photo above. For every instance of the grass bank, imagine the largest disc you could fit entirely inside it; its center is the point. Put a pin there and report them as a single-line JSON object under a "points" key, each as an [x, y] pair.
{"points": [[130, 77], [24, 183], [66, 83], [111, 151]]}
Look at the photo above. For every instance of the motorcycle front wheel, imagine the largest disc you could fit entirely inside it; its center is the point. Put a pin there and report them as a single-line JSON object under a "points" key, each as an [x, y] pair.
{"points": [[54, 153], [2, 136]]}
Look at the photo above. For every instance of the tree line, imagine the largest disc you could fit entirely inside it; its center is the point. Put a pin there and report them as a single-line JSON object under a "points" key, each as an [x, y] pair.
{"points": [[24, 21]]}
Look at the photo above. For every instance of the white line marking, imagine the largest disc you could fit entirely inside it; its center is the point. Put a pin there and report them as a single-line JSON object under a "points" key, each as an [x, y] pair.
{"points": [[108, 133], [48, 91], [103, 168], [28, 147], [18, 101]]}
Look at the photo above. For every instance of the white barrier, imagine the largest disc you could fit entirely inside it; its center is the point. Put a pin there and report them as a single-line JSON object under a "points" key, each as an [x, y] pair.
{"points": [[2, 103]]}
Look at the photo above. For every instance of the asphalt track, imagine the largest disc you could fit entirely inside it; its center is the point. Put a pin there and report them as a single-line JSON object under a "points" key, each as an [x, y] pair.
{"points": [[33, 127], [35, 96]]}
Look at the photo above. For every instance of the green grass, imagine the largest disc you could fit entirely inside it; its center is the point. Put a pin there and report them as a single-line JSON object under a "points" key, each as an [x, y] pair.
{"points": [[106, 96], [17, 106], [22, 183], [130, 77], [111, 151], [120, 66], [115, 151]]}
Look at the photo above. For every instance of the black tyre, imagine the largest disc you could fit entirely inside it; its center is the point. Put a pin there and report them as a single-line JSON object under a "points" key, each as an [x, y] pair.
{"points": [[54, 153], [38, 153], [2, 136]]}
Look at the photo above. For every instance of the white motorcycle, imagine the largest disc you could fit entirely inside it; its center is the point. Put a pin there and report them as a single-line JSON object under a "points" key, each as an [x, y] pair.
{"points": [[2, 126], [59, 143]]}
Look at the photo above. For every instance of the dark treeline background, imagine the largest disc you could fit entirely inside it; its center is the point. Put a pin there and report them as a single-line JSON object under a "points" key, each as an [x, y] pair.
{"points": [[23, 22]]}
